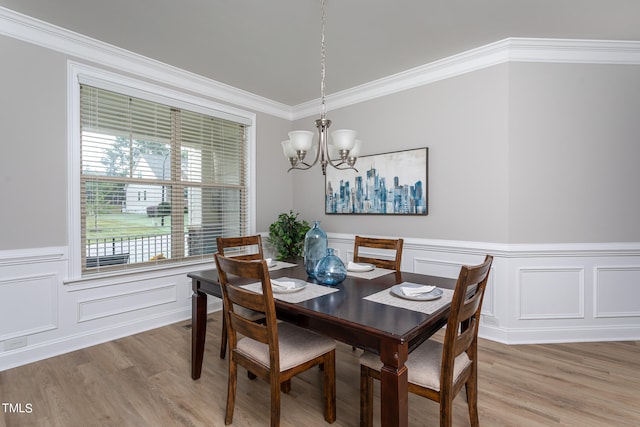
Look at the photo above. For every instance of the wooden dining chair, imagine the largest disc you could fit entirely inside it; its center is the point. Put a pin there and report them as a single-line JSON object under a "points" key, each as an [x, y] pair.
{"points": [[437, 370], [274, 351], [375, 243], [244, 248]]}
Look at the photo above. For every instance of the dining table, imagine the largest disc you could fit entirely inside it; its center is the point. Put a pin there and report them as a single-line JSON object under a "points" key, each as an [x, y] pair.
{"points": [[361, 311]]}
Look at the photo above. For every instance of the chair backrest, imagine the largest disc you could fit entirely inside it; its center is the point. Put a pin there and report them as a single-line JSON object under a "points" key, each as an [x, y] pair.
{"points": [[234, 296], [388, 244], [248, 247], [462, 327]]}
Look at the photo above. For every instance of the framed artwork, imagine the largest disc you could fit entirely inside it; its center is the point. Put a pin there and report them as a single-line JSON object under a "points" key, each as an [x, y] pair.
{"points": [[385, 184]]}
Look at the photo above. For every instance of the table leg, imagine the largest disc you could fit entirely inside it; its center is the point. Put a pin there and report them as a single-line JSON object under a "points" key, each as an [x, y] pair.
{"points": [[394, 389], [198, 331]]}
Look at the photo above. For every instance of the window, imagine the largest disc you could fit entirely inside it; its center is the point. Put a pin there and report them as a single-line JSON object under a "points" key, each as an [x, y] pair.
{"points": [[191, 168]]}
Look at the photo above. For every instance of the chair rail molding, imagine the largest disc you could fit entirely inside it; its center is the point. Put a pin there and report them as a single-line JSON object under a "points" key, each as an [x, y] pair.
{"points": [[43, 315], [539, 293], [34, 255], [595, 290]]}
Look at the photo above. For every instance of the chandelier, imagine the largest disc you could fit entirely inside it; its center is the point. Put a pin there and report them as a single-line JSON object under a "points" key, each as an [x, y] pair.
{"points": [[341, 153]]}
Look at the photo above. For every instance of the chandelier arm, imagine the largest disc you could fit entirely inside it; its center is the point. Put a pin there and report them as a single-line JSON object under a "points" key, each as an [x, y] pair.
{"points": [[316, 158], [342, 162], [308, 166]]}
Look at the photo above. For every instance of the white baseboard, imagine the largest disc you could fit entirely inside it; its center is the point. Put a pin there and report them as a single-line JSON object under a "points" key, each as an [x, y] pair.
{"points": [[45, 350], [558, 335], [70, 343], [536, 294]]}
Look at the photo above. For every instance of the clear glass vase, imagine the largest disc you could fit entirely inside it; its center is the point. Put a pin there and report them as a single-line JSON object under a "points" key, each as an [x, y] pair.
{"points": [[315, 247], [330, 270]]}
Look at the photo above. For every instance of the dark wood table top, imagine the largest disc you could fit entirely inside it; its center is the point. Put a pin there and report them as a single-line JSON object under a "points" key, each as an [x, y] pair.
{"points": [[347, 314]]}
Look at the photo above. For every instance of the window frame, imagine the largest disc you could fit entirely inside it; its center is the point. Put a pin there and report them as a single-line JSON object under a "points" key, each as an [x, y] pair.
{"points": [[83, 74]]}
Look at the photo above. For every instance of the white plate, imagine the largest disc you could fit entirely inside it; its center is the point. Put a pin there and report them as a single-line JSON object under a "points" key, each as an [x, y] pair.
{"points": [[362, 267], [427, 296], [300, 285], [272, 264]]}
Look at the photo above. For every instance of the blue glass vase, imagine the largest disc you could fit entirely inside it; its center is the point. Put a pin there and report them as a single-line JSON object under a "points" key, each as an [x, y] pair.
{"points": [[330, 270], [315, 247]]}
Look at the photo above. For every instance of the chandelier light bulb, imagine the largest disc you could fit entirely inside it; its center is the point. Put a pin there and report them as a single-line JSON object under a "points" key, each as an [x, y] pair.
{"points": [[344, 139], [289, 151], [301, 140], [355, 151]]}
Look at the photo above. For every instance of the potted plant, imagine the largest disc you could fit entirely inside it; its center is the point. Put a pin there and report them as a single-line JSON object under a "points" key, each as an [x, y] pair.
{"points": [[286, 235]]}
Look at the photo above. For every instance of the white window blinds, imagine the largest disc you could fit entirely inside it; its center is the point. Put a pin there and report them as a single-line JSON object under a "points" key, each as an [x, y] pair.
{"points": [[158, 183]]}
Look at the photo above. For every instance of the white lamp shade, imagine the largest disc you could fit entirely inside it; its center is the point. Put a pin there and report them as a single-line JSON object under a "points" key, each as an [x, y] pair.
{"points": [[288, 150], [344, 139], [332, 152], [301, 140], [355, 151]]}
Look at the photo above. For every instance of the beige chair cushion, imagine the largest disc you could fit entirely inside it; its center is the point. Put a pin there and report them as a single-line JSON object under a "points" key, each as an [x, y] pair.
{"points": [[296, 345], [423, 365]]}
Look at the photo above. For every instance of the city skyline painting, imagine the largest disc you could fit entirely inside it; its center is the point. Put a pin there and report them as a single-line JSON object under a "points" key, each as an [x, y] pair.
{"points": [[385, 184]]}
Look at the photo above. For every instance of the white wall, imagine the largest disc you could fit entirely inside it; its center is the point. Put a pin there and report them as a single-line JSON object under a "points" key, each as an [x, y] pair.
{"points": [[274, 187], [518, 153], [567, 263], [574, 146], [464, 123], [534, 163], [42, 313], [33, 121]]}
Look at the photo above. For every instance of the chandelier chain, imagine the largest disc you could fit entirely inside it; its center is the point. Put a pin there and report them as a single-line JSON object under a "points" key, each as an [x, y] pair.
{"points": [[345, 147], [323, 106]]}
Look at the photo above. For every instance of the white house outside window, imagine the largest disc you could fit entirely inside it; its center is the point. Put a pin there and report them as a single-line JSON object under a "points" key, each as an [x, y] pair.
{"points": [[192, 169]]}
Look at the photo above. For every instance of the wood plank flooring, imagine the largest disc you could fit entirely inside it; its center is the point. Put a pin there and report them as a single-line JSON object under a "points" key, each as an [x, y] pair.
{"points": [[144, 380]]}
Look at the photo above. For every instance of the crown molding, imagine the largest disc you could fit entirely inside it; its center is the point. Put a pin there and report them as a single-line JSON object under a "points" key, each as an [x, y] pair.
{"points": [[31, 30], [507, 50], [43, 34], [571, 51], [472, 60]]}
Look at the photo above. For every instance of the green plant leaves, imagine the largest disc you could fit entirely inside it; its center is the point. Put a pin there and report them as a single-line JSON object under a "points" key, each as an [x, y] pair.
{"points": [[286, 235]]}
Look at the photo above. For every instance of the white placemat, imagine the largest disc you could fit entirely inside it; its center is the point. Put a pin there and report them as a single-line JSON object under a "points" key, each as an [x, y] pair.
{"points": [[427, 307], [280, 265], [309, 292], [376, 272]]}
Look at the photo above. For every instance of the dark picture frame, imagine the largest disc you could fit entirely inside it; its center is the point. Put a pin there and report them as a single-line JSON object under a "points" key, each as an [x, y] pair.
{"points": [[394, 183]]}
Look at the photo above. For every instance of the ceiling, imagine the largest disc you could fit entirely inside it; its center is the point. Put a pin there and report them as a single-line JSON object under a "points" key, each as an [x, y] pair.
{"points": [[272, 47]]}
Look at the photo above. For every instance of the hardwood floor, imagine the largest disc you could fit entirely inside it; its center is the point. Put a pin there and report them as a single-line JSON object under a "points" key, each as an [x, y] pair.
{"points": [[144, 380]]}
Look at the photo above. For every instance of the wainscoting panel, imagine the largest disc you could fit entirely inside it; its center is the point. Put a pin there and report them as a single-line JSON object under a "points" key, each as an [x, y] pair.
{"points": [[617, 292], [536, 294], [540, 293], [36, 296], [436, 267], [114, 305], [41, 315], [488, 303], [551, 293]]}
